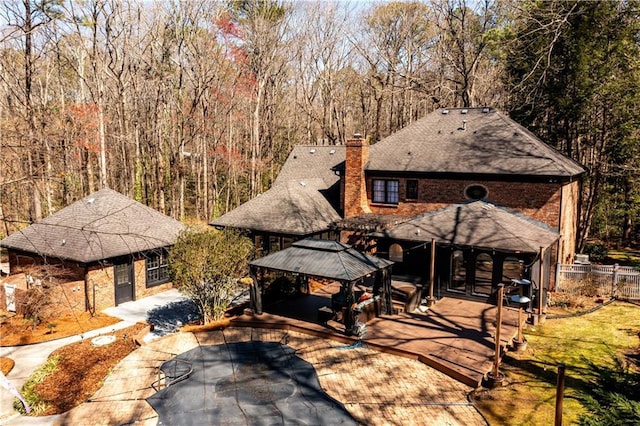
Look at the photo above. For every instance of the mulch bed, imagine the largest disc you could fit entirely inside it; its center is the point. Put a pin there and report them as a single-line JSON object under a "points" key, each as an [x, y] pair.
{"points": [[82, 368], [15, 330]]}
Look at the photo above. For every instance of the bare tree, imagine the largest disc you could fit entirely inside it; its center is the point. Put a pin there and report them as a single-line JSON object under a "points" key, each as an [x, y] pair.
{"points": [[465, 28]]}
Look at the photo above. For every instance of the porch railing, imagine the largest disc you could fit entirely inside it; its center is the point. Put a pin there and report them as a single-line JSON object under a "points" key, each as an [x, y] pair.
{"points": [[622, 282]]}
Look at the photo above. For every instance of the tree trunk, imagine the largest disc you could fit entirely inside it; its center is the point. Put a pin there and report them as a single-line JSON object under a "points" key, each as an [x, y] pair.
{"points": [[103, 146]]}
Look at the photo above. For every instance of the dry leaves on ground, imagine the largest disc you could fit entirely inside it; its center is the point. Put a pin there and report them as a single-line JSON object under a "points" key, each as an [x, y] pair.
{"points": [[6, 365], [82, 369], [15, 330]]}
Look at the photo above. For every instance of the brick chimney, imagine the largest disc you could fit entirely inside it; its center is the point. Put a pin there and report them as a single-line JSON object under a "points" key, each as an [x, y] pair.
{"points": [[355, 188]]}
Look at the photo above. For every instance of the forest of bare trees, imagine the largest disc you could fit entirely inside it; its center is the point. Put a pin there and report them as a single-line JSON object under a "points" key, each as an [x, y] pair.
{"points": [[191, 106]]}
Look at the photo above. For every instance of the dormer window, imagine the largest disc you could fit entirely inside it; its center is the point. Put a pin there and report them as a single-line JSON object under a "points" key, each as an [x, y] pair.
{"points": [[385, 191]]}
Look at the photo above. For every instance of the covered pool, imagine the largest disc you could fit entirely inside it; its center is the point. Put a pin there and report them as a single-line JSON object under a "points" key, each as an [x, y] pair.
{"points": [[245, 383]]}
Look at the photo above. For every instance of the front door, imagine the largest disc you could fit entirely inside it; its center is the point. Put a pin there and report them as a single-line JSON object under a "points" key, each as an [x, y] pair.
{"points": [[123, 277]]}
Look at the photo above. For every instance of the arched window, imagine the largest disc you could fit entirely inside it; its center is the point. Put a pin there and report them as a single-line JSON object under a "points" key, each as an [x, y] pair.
{"points": [[458, 272], [395, 253], [512, 269], [484, 274]]}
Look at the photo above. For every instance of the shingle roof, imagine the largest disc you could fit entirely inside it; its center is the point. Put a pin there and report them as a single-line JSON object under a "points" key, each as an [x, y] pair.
{"points": [[477, 224], [311, 162], [103, 225], [322, 258], [487, 143], [297, 208], [303, 200]]}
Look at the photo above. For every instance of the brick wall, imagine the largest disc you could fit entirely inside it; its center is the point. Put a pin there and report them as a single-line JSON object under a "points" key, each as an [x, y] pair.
{"points": [[69, 293], [554, 204], [63, 297], [140, 274], [100, 287], [540, 201]]}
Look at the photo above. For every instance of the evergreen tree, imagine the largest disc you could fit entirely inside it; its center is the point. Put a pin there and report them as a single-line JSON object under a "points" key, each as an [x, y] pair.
{"points": [[573, 70]]}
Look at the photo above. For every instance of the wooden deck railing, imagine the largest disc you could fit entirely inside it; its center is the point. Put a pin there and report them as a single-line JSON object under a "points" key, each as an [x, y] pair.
{"points": [[621, 282]]}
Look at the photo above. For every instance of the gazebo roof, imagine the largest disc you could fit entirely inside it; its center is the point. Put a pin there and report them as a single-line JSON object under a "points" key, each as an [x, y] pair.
{"points": [[477, 224], [323, 258]]}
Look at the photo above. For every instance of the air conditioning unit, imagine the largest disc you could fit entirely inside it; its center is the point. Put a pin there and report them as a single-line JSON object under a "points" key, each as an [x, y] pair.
{"points": [[581, 259]]}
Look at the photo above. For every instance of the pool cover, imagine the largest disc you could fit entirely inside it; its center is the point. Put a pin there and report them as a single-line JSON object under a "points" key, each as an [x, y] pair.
{"points": [[246, 383]]}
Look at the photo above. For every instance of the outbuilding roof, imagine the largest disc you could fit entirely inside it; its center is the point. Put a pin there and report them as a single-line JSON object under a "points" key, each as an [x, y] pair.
{"points": [[304, 199], [103, 225], [323, 258], [469, 140], [477, 224]]}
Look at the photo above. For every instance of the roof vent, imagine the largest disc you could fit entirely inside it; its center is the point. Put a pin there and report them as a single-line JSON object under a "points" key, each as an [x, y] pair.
{"points": [[312, 151], [302, 184], [91, 200], [485, 110], [464, 111], [333, 151], [445, 111]]}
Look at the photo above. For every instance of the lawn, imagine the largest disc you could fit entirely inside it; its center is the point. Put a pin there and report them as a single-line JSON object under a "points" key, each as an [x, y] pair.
{"points": [[627, 257], [528, 397]]}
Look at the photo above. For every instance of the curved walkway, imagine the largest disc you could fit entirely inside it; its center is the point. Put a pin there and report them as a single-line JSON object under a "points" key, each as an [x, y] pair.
{"points": [[376, 388], [28, 358]]}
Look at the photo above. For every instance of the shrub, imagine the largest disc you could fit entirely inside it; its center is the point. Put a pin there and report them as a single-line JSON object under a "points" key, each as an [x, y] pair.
{"points": [[205, 264], [613, 399], [34, 305], [566, 300], [596, 252]]}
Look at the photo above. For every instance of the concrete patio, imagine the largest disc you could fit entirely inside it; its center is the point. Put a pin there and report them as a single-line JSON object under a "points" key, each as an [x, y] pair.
{"points": [[376, 388]]}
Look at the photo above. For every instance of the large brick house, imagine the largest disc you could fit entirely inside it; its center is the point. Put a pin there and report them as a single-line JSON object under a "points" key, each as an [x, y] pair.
{"points": [[100, 251], [467, 190]]}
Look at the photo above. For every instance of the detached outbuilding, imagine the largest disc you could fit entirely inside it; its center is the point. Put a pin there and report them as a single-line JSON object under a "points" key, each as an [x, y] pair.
{"points": [[99, 252]]}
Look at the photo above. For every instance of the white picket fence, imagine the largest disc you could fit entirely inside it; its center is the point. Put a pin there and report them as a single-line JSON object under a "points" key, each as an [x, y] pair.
{"points": [[621, 282]]}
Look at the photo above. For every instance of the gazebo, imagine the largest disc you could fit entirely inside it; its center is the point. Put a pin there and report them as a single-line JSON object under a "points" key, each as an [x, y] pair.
{"points": [[326, 259]]}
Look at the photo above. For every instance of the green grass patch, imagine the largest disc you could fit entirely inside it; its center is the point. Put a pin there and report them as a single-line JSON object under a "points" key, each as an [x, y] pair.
{"points": [[528, 397], [625, 257], [28, 392]]}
